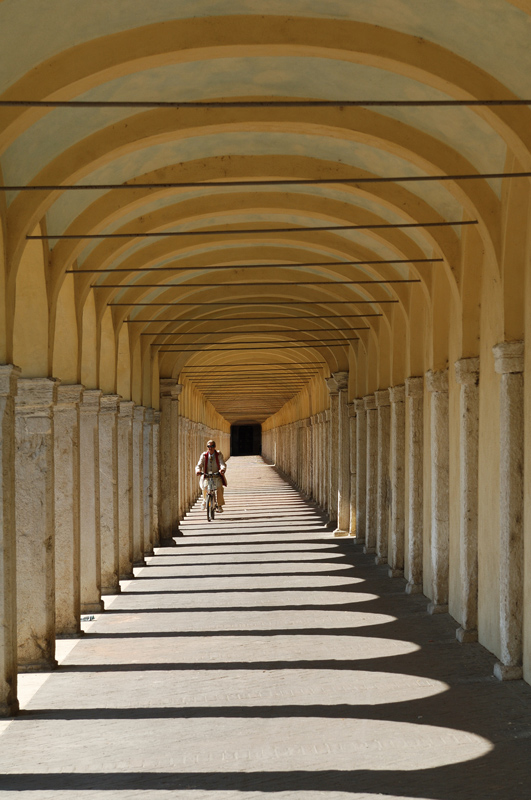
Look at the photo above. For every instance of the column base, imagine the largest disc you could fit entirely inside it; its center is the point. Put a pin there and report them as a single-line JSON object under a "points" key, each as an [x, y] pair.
{"points": [[140, 563], [339, 532], [177, 532], [111, 589], [128, 576], [9, 709], [465, 636], [414, 588], [149, 553], [70, 635], [505, 672], [92, 608], [395, 573], [380, 560], [39, 666], [437, 608], [168, 542], [369, 550]]}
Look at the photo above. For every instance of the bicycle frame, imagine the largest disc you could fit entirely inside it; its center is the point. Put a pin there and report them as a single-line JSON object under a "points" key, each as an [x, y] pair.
{"points": [[211, 494]]}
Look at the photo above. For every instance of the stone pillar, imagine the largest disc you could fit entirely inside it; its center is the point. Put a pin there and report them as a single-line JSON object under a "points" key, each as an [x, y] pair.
{"points": [[467, 374], [437, 384], [351, 410], [8, 568], [361, 469], [509, 363], [34, 523], [66, 511], [322, 459], [371, 503], [125, 489], [166, 385], [175, 466], [156, 478], [333, 448], [326, 461], [397, 395], [415, 411], [108, 465], [341, 455], [384, 442], [138, 486], [89, 502], [148, 481]]}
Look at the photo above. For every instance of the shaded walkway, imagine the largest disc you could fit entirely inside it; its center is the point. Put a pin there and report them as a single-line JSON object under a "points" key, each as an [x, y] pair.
{"points": [[263, 656]]}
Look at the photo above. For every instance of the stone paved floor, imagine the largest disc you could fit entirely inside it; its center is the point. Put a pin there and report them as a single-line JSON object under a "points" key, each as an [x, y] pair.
{"points": [[263, 658]]}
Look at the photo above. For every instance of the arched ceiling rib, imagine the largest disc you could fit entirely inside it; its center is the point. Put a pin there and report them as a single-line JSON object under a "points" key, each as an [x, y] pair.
{"points": [[197, 51]]}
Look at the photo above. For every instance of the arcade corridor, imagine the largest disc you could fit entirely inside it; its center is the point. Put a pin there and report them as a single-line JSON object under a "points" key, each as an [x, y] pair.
{"points": [[263, 657]]}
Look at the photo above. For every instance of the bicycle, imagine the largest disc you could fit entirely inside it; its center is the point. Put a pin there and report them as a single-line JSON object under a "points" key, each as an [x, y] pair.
{"points": [[211, 495]]}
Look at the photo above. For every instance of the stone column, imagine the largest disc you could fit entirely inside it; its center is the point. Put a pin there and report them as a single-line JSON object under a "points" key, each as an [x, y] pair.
{"points": [[437, 384], [34, 523], [351, 411], [66, 499], [397, 395], [415, 411], [156, 478], [8, 568], [89, 502], [467, 374], [342, 456], [175, 500], [138, 486], [108, 464], [166, 385], [327, 471], [148, 481], [125, 489], [371, 503], [333, 448], [361, 469], [509, 363], [384, 442]]}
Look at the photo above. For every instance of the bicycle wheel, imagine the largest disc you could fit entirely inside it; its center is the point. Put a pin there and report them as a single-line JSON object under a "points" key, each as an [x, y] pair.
{"points": [[210, 508]]}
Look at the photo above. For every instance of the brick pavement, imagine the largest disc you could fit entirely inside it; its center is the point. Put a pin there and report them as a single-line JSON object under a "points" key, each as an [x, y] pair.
{"points": [[263, 658]]}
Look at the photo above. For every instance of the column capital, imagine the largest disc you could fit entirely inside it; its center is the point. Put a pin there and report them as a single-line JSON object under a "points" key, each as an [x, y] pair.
{"points": [[127, 408], [467, 371], [415, 386], [138, 413], [437, 381], [9, 374], [166, 385], [370, 402], [341, 379], [359, 404], [176, 391], [149, 416], [156, 417], [327, 415], [90, 400], [69, 395], [508, 357], [331, 385], [382, 398], [110, 403], [351, 407], [397, 394], [35, 393]]}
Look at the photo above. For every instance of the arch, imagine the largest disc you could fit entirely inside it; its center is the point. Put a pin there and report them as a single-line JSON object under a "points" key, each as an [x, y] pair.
{"points": [[65, 354]]}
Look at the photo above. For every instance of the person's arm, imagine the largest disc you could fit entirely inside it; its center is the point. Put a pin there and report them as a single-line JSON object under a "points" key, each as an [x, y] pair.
{"points": [[222, 465], [199, 469]]}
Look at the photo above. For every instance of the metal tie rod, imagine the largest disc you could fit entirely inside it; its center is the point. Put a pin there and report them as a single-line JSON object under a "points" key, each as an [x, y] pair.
{"points": [[512, 101], [324, 301], [248, 283]]}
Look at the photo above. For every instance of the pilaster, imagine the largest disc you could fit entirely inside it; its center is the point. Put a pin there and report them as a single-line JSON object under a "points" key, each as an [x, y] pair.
{"points": [[66, 511], [156, 478], [108, 466], [397, 395], [89, 502], [415, 451], [437, 384], [175, 501], [166, 385], [148, 481], [384, 434], [34, 522], [467, 374], [8, 568], [509, 363], [371, 504], [341, 455], [361, 469], [138, 486], [351, 411], [125, 489]]}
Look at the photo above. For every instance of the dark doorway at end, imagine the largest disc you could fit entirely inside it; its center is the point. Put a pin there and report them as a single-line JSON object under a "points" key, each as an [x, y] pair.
{"points": [[246, 440]]}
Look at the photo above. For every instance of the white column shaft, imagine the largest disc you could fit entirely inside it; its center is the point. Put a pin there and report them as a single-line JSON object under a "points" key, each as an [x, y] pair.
{"points": [[361, 469], [138, 486], [384, 441], [437, 383], [415, 454], [397, 470], [108, 466], [371, 503], [125, 489], [89, 502]]}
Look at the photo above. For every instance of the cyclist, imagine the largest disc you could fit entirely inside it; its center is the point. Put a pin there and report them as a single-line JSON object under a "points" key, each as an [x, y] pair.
{"points": [[212, 461]]}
